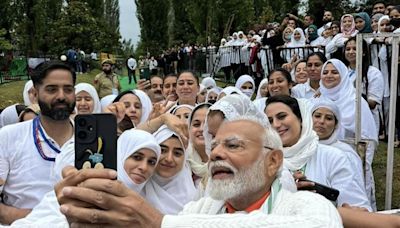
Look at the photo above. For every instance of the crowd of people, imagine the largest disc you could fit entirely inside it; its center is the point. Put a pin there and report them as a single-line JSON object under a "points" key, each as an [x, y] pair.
{"points": [[267, 152]]}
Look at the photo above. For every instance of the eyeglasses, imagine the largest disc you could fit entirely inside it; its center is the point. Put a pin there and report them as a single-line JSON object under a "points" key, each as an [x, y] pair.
{"points": [[233, 144]]}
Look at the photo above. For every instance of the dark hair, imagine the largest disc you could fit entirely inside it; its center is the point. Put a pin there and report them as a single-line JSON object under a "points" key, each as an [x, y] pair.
{"points": [[191, 72], [287, 100], [198, 107], [311, 16], [41, 71], [284, 72], [24, 112], [366, 60], [320, 55], [19, 108], [336, 23], [379, 2], [123, 94], [396, 7], [169, 75]]}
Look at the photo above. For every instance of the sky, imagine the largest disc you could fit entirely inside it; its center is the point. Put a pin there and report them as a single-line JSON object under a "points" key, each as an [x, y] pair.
{"points": [[128, 22]]}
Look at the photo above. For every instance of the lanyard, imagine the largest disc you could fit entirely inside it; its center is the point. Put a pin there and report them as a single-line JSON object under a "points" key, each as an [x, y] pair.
{"points": [[36, 130]]}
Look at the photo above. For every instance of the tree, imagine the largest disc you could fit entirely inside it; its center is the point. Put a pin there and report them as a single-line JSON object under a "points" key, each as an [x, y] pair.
{"points": [[152, 16], [4, 43]]}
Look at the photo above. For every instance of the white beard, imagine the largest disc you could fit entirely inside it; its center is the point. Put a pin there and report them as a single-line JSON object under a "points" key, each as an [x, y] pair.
{"points": [[244, 181]]}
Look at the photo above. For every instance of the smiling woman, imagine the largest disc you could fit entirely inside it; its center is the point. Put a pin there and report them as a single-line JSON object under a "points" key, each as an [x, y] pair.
{"points": [[172, 185], [87, 100], [306, 158]]}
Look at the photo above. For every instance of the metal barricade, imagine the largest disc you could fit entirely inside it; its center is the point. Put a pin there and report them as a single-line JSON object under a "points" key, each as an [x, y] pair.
{"points": [[392, 108]]}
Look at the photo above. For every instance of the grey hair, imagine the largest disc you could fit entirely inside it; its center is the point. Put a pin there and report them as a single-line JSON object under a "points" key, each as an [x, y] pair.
{"points": [[271, 137]]}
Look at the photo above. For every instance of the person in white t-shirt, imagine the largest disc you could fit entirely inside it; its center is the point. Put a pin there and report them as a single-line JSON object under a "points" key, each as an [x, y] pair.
{"points": [[28, 149], [131, 65]]}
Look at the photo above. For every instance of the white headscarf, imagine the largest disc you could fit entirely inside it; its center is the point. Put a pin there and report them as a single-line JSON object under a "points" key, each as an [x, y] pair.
{"points": [[230, 90], [338, 132], [129, 143], [169, 195], [264, 81], [213, 90], [9, 116], [92, 92], [385, 17], [297, 43], [173, 111], [107, 100], [209, 83], [343, 95], [297, 155], [242, 80], [147, 106], [25, 93]]}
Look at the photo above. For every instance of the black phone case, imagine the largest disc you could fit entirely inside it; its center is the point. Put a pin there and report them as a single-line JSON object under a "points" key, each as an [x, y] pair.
{"points": [[88, 130], [329, 193]]}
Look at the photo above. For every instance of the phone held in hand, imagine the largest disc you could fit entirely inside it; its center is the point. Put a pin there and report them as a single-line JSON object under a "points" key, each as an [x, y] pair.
{"points": [[328, 192], [96, 141]]}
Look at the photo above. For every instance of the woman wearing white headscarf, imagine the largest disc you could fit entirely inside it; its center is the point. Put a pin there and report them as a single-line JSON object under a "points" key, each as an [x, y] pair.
{"points": [[209, 83], [262, 90], [262, 94], [88, 104], [146, 105], [169, 195], [297, 40], [245, 83], [107, 100], [28, 95], [130, 145], [382, 63], [343, 95], [322, 111], [305, 157], [212, 95]]}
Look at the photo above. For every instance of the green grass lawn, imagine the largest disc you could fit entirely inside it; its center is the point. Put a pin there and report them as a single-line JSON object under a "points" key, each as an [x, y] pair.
{"points": [[11, 93]]}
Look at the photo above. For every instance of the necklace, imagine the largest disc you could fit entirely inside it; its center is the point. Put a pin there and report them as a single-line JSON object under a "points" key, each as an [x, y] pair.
{"points": [[36, 130]]}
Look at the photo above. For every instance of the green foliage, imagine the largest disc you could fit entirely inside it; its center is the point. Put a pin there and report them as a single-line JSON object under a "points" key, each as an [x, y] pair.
{"points": [[338, 8], [152, 16], [4, 44]]}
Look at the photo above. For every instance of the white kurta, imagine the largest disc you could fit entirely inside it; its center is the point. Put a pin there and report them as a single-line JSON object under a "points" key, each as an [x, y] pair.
{"points": [[337, 42], [300, 209], [303, 91], [375, 90], [28, 176], [331, 167]]}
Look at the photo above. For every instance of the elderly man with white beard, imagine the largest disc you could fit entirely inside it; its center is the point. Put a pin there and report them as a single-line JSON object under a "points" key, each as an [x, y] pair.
{"points": [[244, 189]]}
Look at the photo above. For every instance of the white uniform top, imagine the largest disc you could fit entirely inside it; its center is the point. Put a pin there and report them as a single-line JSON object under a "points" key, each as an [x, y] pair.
{"points": [[132, 64], [303, 91], [331, 167], [375, 83], [300, 209], [28, 177], [336, 42]]}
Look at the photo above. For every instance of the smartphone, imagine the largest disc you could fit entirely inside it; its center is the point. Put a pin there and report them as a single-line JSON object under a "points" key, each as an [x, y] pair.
{"points": [[328, 192], [145, 73], [96, 141]]}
